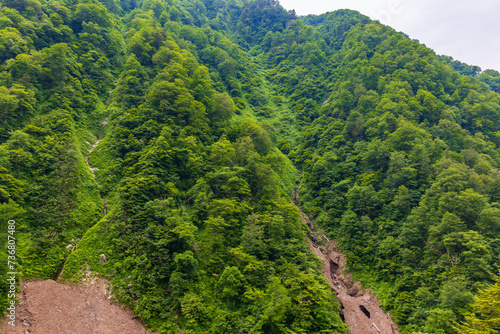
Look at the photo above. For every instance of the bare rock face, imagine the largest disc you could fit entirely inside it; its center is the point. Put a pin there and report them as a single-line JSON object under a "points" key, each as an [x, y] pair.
{"points": [[360, 310], [102, 258], [47, 307]]}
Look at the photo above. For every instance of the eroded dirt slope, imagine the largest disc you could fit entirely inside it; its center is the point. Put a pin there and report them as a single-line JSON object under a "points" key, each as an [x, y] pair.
{"points": [[361, 310], [48, 307]]}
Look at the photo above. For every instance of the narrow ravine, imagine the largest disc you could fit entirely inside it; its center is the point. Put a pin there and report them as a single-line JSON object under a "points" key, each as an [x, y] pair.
{"points": [[93, 169], [51, 306], [73, 247], [360, 310], [305, 218]]}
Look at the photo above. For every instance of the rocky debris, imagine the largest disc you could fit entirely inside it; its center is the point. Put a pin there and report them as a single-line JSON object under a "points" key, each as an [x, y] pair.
{"points": [[130, 292], [359, 309], [353, 291], [102, 258], [48, 307], [92, 169], [334, 266]]}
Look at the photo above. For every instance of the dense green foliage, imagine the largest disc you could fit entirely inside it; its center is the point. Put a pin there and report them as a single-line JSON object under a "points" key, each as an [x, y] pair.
{"points": [[50, 82], [200, 231], [401, 164], [202, 109]]}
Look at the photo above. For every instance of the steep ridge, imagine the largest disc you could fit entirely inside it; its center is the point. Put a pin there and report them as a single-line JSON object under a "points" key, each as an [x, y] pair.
{"points": [[73, 241]]}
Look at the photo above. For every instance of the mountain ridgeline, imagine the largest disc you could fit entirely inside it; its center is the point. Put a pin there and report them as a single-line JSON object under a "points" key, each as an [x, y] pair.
{"points": [[205, 114]]}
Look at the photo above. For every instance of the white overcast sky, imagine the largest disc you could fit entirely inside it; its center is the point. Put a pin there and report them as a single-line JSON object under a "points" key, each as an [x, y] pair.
{"points": [[467, 30]]}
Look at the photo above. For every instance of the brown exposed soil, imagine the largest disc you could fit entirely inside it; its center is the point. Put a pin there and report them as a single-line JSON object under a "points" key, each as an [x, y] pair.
{"points": [[48, 307], [361, 310]]}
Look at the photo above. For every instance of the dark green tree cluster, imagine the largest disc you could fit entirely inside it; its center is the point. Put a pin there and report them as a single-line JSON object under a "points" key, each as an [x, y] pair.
{"points": [[492, 78]]}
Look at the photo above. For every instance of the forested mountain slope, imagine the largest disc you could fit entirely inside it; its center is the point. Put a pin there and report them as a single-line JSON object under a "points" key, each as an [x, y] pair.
{"points": [[202, 109]]}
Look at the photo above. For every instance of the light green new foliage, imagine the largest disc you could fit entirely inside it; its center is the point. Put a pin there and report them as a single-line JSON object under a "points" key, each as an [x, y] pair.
{"points": [[485, 315]]}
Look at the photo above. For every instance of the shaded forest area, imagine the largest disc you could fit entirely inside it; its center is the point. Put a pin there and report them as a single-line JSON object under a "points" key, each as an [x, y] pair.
{"points": [[203, 110]]}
